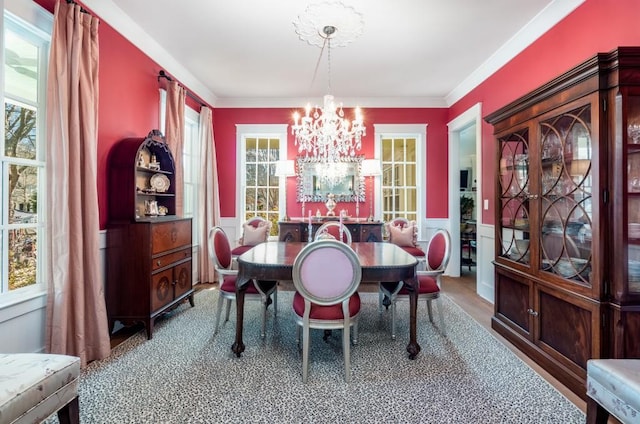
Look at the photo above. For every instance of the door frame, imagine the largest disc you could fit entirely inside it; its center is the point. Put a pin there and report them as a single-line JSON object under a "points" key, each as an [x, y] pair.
{"points": [[471, 116]]}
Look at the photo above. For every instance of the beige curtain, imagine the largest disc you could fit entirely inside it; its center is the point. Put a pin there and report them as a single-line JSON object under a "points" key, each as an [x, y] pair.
{"points": [[76, 322], [174, 129], [209, 199]]}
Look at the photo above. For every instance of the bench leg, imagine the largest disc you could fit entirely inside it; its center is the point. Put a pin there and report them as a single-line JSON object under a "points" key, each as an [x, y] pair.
{"points": [[596, 414], [70, 413]]}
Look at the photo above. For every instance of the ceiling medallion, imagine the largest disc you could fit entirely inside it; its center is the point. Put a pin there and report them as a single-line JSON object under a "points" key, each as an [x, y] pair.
{"points": [[310, 25]]}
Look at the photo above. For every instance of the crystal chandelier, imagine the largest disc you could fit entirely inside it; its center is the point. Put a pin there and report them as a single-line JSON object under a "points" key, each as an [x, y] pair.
{"points": [[323, 131]]}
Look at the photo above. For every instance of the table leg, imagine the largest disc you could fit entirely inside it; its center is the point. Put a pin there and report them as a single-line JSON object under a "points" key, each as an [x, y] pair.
{"points": [[413, 347], [238, 345]]}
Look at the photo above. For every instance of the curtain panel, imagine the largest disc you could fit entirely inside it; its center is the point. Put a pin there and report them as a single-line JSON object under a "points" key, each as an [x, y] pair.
{"points": [[174, 129], [76, 319], [209, 199]]}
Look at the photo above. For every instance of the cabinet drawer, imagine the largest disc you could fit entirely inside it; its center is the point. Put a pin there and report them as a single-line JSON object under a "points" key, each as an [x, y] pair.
{"points": [[165, 260], [170, 235]]}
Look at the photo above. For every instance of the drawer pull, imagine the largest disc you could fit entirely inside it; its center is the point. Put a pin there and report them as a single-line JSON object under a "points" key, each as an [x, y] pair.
{"points": [[159, 263]]}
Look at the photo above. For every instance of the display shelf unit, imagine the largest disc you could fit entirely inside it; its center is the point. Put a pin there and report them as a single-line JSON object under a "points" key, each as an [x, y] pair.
{"points": [[149, 259], [565, 266]]}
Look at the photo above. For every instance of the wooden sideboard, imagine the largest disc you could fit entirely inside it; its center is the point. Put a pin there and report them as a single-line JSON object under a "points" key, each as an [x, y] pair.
{"points": [[360, 230]]}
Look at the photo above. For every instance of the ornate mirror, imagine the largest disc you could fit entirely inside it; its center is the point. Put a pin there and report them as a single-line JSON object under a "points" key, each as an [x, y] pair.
{"points": [[317, 179]]}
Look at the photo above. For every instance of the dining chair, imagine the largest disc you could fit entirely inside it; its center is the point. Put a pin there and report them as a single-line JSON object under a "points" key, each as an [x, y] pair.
{"points": [[326, 275], [404, 233], [332, 229], [429, 281], [220, 252], [255, 230]]}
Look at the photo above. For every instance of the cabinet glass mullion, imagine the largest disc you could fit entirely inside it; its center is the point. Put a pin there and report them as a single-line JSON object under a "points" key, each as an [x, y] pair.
{"points": [[514, 196]]}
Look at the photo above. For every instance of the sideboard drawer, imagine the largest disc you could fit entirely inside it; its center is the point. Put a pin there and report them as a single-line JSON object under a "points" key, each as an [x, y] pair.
{"points": [[170, 235], [171, 258]]}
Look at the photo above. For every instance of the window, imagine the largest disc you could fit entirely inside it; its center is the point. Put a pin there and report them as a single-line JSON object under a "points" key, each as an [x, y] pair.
{"points": [[191, 177], [262, 191], [22, 221], [401, 151]]}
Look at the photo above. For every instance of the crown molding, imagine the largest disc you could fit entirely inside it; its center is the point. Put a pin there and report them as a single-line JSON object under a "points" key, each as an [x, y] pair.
{"points": [[541, 23]]}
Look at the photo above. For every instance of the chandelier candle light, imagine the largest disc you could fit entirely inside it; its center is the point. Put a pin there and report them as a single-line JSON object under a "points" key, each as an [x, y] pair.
{"points": [[325, 133]]}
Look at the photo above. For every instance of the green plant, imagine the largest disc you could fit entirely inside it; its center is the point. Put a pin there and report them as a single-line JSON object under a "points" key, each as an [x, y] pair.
{"points": [[466, 205]]}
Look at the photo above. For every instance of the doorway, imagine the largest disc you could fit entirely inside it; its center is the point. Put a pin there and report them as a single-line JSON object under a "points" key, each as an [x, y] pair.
{"points": [[465, 175]]}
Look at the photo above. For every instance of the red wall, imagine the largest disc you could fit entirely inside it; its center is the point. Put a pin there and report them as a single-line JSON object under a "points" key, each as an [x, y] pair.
{"points": [[224, 128], [129, 100], [596, 26]]}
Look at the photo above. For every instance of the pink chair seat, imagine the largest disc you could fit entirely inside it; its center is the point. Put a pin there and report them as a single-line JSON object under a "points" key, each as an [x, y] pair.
{"points": [[332, 312], [414, 251], [239, 250], [229, 285], [428, 285]]}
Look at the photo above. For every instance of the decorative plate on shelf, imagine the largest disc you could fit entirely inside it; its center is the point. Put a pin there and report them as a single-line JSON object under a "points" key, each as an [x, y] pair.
{"points": [[159, 182]]}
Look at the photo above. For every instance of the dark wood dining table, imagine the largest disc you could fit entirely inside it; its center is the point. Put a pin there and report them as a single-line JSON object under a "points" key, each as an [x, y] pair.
{"points": [[272, 261]]}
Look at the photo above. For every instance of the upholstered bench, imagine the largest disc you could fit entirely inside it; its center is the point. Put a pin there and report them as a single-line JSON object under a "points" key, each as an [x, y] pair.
{"points": [[34, 386], [613, 387]]}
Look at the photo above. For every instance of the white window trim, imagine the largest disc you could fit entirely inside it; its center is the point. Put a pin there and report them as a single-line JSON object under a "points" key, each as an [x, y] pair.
{"points": [[244, 131], [40, 21], [419, 132]]}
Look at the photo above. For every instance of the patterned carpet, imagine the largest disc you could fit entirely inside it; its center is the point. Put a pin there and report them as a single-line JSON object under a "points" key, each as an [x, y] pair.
{"points": [[185, 374]]}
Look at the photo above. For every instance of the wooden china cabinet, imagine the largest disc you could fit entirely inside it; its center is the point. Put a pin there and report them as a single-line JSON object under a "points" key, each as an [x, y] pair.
{"points": [[148, 246], [567, 252]]}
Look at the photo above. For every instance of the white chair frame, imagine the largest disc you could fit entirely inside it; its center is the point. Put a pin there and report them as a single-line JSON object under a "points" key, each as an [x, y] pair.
{"points": [[324, 229], [429, 297], [229, 297], [305, 323]]}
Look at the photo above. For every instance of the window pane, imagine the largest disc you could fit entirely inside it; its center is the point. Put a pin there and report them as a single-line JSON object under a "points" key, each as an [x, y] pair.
{"points": [[251, 149], [250, 200], [263, 170], [386, 150], [261, 199], [23, 194], [410, 174], [400, 175], [398, 150], [21, 67], [22, 257], [251, 175], [411, 150], [20, 131]]}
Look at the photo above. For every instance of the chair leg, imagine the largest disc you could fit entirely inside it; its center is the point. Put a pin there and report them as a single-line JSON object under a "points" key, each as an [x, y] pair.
{"points": [[275, 300], [228, 310], [265, 304], [380, 299], [393, 319], [355, 333], [346, 347], [441, 314], [305, 353], [218, 312], [429, 311]]}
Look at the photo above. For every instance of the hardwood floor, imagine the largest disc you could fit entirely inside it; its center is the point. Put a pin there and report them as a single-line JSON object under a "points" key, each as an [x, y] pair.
{"points": [[463, 292]]}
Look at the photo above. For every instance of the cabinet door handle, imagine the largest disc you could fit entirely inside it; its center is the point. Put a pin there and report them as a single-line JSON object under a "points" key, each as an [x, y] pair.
{"points": [[532, 196], [532, 312]]}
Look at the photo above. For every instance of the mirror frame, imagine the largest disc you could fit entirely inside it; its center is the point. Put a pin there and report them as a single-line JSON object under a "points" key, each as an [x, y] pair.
{"points": [[307, 170]]}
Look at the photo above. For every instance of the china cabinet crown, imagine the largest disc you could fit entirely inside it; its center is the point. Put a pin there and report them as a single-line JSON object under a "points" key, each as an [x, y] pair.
{"points": [[567, 253]]}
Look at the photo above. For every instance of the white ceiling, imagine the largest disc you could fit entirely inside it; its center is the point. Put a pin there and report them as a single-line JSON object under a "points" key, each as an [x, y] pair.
{"points": [[412, 53]]}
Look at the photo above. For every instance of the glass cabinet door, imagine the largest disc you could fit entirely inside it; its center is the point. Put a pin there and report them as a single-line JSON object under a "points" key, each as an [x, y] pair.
{"points": [[514, 196], [565, 179], [633, 192]]}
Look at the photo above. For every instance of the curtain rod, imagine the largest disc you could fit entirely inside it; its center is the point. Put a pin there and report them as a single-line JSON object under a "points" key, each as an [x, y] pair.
{"points": [[163, 74], [82, 9]]}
